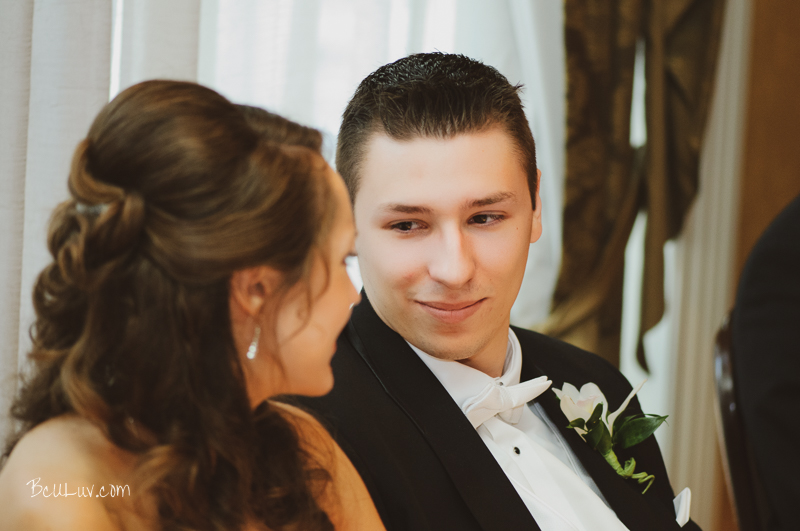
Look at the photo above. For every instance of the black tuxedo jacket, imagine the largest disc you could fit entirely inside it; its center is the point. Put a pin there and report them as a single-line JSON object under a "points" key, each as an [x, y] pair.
{"points": [[766, 353], [426, 467]]}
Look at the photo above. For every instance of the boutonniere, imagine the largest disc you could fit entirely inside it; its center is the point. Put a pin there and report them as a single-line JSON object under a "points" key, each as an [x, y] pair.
{"points": [[587, 412]]}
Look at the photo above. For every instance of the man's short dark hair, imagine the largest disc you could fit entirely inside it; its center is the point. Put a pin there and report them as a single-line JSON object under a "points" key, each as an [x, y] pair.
{"points": [[432, 95]]}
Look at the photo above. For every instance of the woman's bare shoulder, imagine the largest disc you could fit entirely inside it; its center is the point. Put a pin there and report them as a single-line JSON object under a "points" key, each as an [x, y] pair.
{"points": [[346, 500], [60, 473], [67, 445]]}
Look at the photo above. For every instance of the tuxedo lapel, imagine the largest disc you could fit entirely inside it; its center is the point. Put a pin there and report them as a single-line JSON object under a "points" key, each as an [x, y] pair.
{"points": [[476, 475], [633, 508]]}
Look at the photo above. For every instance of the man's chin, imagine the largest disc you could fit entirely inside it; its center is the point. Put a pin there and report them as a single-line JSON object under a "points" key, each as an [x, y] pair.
{"points": [[444, 348], [454, 341]]}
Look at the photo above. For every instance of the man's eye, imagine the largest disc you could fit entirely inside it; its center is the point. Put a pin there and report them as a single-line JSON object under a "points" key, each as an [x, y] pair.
{"points": [[405, 226], [484, 219]]}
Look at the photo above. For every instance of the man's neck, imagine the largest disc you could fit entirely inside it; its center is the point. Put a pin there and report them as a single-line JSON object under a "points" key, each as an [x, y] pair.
{"points": [[491, 358]]}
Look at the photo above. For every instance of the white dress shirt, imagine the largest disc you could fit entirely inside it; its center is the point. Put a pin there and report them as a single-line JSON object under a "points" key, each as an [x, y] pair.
{"points": [[552, 483]]}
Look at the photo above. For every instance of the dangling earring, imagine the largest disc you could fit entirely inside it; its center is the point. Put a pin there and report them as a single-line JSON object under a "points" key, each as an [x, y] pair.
{"points": [[253, 350]]}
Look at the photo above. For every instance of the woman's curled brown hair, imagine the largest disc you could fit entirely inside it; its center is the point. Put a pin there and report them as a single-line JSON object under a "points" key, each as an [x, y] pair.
{"points": [[172, 190]]}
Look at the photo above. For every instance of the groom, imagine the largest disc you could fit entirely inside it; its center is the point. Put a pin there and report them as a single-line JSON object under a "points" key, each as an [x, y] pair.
{"points": [[440, 163]]}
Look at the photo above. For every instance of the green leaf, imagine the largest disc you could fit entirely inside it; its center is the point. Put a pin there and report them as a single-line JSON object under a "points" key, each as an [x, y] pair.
{"points": [[599, 438], [619, 426], [595, 418], [620, 420], [577, 423], [635, 430]]}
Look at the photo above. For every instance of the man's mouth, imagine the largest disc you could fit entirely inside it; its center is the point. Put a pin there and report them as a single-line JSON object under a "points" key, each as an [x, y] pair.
{"points": [[451, 312]]}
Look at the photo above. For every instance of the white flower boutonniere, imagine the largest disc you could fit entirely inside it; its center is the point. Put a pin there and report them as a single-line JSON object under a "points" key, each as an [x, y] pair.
{"points": [[587, 412]]}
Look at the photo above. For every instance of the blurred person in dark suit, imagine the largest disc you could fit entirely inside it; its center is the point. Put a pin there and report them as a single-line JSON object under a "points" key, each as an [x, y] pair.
{"points": [[766, 344]]}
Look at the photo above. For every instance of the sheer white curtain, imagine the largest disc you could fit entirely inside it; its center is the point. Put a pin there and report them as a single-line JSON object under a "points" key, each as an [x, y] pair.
{"points": [[55, 59], [156, 39], [15, 27], [302, 58]]}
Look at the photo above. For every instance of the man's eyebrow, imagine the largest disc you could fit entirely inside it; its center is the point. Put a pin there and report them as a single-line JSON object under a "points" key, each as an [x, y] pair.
{"points": [[399, 208], [499, 197]]}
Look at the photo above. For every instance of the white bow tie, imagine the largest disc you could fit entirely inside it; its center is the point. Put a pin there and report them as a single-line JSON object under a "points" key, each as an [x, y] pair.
{"points": [[503, 400]]}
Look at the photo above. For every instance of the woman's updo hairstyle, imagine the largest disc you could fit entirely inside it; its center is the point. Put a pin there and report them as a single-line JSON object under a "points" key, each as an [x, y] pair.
{"points": [[276, 128], [172, 191]]}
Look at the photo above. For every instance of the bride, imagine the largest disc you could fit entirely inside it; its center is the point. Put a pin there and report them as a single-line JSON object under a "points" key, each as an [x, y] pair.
{"points": [[198, 270]]}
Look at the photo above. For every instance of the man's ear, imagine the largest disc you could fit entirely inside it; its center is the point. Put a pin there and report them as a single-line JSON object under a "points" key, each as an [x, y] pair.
{"points": [[536, 222], [250, 288]]}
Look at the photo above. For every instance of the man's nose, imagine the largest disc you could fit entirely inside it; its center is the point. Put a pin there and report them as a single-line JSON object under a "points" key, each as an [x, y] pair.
{"points": [[452, 261]]}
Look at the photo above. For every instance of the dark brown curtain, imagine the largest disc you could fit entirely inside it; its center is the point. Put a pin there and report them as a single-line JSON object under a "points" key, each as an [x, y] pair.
{"points": [[607, 181]]}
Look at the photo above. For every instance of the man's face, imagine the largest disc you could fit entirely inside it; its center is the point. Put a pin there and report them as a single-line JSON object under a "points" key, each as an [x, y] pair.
{"points": [[443, 229]]}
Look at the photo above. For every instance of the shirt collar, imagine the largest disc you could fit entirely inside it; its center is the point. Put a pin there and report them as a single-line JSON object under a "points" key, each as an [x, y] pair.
{"points": [[463, 382]]}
